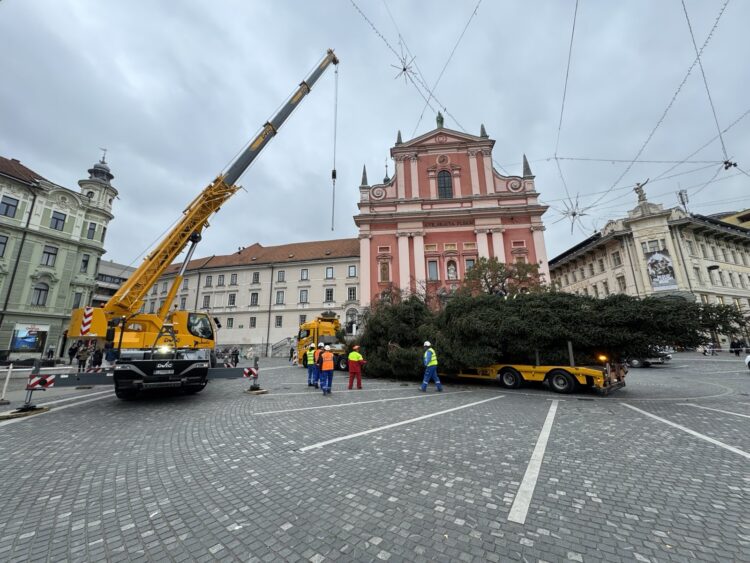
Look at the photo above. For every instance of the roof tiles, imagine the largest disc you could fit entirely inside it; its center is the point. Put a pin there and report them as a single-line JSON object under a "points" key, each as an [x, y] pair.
{"points": [[294, 252], [13, 168]]}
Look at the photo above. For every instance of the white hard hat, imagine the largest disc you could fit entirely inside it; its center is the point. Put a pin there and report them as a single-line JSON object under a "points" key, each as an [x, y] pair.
{"points": [[320, 344], [427, 343], [327, 347], [312, 345]]}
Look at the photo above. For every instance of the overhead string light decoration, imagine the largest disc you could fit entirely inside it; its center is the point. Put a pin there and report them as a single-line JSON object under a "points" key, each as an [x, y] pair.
{"points": [[409, 68]]}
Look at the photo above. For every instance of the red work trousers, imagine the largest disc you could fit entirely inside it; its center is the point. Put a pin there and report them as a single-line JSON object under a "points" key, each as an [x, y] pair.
{"points": [[358, 375]]}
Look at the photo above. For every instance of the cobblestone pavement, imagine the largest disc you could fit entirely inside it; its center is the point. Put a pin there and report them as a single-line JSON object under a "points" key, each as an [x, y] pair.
{"points": [[227, 476]]}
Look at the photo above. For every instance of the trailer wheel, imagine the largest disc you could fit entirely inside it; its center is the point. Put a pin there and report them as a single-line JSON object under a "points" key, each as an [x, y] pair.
{"points": [[636, 363], [561, 381], [342, 363], [510, 378]]}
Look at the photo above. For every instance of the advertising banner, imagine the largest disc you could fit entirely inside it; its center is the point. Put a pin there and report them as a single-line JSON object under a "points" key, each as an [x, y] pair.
{"points": [[29, 338], [660, 270]]}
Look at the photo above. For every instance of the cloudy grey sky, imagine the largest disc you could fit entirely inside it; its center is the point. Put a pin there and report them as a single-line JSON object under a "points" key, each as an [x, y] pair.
{"points": [[174, 88]]}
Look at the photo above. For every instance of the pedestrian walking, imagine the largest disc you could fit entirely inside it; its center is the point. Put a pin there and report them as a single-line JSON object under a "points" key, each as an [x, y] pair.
{"points": [[235, 356], [355, 361], [430, 368], [309, 361], [82, 355], [325, 361], [51, 352], [110, 355], [73, 350], [96, 357], [316, 357], [291, 355], [736, 347]]}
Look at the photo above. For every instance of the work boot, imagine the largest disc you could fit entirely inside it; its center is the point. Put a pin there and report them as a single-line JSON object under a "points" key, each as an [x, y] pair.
{"points": [[423, 389], [440, 389]]}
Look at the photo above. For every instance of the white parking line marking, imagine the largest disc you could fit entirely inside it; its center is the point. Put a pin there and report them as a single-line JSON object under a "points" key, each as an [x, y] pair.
{"points": [[526, 491], [72, 398], [691, 432], [56, 409], [716, 410], [394, 425], [420, 396], [313, 391]]}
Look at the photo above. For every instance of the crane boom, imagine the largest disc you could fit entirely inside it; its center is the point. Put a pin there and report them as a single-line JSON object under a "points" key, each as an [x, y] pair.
{"points": [[129, 297]]}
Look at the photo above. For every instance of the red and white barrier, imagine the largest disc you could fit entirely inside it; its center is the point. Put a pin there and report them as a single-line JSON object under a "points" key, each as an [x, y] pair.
{"points": [[40, 382]]}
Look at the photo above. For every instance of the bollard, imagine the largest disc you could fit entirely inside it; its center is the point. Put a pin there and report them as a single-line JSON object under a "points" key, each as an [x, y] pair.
{"points": [[252, 374], [3, 400], [254, 385]]}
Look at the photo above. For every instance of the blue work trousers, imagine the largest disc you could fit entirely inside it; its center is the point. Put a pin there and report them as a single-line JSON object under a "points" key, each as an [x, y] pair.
{"points": [[430, 374], [316, 374], [311, 373], [326, 380]]}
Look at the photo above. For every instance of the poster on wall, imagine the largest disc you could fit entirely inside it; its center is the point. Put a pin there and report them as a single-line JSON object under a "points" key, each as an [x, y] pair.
{"points": [[660, 270], [29, 338]]}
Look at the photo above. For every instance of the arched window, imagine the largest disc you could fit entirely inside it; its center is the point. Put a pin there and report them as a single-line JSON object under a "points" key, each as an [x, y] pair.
{"points": [[445, 185], [39, 294]]}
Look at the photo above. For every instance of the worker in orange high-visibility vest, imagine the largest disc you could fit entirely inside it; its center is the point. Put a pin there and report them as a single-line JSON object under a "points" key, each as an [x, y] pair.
{"points": [[325, 361], [316, 357]]}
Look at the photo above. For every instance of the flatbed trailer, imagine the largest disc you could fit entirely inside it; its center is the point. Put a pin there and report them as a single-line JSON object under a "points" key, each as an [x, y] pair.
{"points": [[561, 378]]}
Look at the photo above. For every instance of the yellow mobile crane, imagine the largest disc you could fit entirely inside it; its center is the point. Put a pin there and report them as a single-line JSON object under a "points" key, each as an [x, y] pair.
{"points": [[184, 337]]}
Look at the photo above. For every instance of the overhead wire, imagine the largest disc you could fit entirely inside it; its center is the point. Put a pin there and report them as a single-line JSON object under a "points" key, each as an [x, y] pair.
{"points": [[707, 143], [670, 104], [573, 210], [705, 81], [417, 79], [447, 62]]}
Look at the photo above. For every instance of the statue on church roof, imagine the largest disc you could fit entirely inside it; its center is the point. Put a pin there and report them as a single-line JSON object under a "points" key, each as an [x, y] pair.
{"points": [[440, 120]]}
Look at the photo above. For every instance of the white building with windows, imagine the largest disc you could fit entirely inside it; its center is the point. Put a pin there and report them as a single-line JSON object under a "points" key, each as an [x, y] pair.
{"points": [[657, 251], [261, 295], [51, 241]]}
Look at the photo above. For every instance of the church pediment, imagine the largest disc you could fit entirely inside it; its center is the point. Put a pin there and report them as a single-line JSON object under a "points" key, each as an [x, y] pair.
{"points": [[442, 137]]}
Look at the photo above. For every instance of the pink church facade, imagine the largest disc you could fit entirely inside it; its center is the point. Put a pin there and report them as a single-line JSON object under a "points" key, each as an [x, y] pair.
{"points": [[445, 207]]}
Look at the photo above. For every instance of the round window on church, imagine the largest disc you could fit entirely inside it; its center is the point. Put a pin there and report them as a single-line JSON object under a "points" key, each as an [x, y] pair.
{"points": [[90, 195]]}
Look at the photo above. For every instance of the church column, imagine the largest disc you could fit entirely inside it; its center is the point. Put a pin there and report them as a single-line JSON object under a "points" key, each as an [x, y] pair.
{"points": [[400, 177], [489, 178], [404, 273], [364, 266], [419, 267], [537, 232], [474, 172], [456, 183], [498, 244], [433, 184], [414, 177], [482, 246]]}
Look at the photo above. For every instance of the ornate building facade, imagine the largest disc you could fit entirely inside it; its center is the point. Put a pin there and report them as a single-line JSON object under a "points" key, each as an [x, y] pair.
{"points": [[51, 241], [657, 251], [445, 207]]}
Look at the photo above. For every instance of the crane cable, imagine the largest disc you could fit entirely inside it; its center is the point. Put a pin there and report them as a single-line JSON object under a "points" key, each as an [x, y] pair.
{"points": [[335, 127]]}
